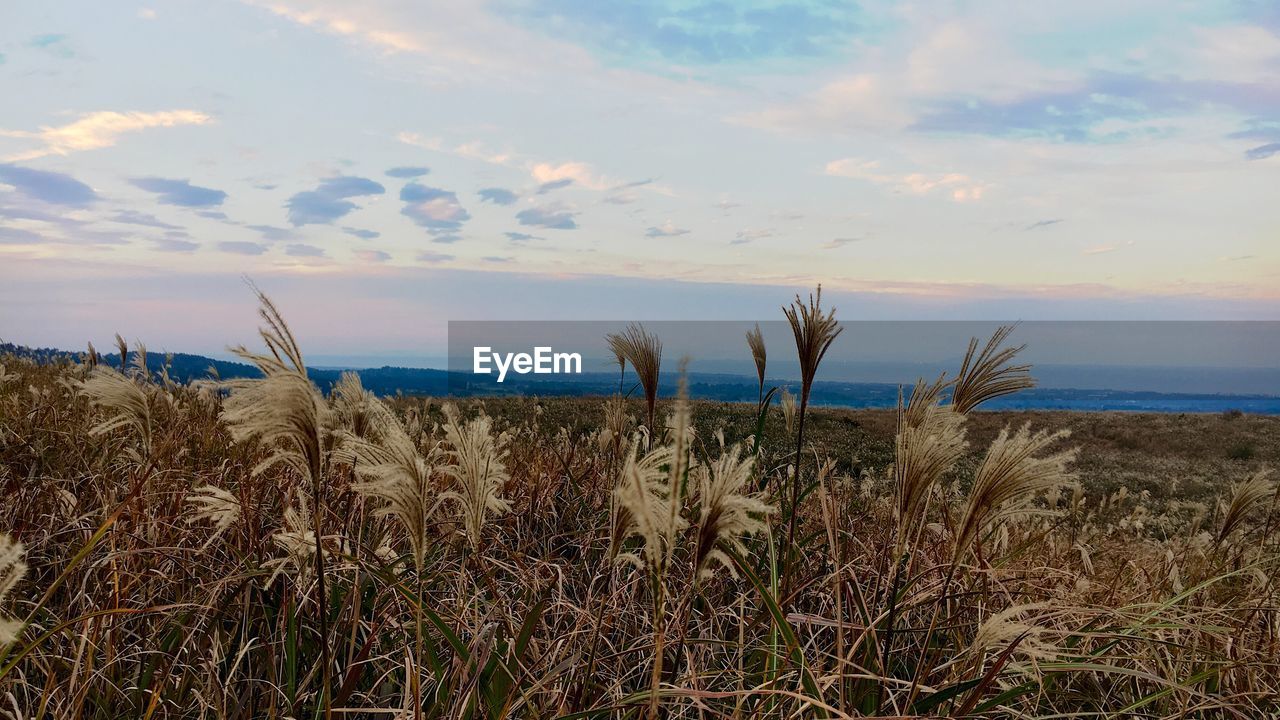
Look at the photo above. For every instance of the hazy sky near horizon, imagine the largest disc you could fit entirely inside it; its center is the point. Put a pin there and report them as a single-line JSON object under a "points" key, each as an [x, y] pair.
{"points": [[382, 170]]}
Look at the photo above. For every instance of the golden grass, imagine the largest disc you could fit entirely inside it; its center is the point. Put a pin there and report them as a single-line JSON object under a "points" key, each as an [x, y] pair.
{"points": [[943, 564]]}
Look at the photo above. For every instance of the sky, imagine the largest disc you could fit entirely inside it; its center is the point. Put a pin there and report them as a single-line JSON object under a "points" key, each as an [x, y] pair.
{"points": [[382, 169]]}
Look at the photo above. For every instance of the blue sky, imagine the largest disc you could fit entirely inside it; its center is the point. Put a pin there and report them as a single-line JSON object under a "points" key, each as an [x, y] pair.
{"points": [[384, 170]]}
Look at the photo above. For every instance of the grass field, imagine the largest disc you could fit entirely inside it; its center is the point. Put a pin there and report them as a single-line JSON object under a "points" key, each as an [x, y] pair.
{"points": [[601, 557]]}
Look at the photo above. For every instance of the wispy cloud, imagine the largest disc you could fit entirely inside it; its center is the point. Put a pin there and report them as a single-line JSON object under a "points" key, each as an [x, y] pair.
{"points": [[1262, 152], [1043, 224], [839, 242], [272, 233], [497, 196], [47, 187], [180, 192], [407, 172], [303, 250], [173, 244], [432, 257], [362, 233], [666, 229], [330, 201], [553, 216], [435, 209], [961, 188], [237, 247], [373, 256], [547, 187], [751, 235], [133, 217], [98, 130]]}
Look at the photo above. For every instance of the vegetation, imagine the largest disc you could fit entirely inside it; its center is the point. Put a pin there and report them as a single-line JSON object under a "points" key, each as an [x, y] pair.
{"points": [[255, 548]]}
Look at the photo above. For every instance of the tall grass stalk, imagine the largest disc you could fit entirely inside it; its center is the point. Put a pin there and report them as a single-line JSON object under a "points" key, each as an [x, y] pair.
{"points": [[814, 331]]}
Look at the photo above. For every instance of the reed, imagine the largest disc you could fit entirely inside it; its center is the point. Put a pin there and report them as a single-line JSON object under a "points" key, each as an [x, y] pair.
{"points": [[644, 351]]}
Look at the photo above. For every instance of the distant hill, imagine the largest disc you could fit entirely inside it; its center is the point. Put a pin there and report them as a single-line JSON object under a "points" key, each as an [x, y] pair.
{"points": [[388, 380]]}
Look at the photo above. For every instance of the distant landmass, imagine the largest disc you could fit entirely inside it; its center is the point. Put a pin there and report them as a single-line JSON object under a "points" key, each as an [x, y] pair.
{"points": [[724, 387]]}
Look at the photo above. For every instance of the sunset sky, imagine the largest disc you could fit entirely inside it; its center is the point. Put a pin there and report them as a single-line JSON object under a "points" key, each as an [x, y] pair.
{"points": [[384, 170]]}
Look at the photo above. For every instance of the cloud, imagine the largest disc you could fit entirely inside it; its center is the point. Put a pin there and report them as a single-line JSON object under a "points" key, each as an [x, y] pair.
{"points": [[726, 205], [53, 43], [746, 236], [547, 187], [272, 233], [407, 172], [303, 250], [1098, 250], [1042, 224], [705, 32], [1262, 152], [212, 214], [553, 216], [47, 187], [839, 243], [961, 188], [666, 229], [373, 256], [430, 257], [99, 130], [18, 236], [1081, 111], [435, 209], [362, 234], [242, 248], [578, 172], [175, 244], [497, 259], [133, 217], [517, 237], [180, 192], [621, 198], [498, 196], [446, 238], [343, 25], [328, 202]]}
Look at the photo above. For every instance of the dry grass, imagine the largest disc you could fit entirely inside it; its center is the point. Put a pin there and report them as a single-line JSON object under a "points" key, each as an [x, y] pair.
{"points": [[944, 562]]}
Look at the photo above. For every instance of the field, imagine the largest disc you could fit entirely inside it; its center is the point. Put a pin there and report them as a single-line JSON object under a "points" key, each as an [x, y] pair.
{"points": [[554, 557]]}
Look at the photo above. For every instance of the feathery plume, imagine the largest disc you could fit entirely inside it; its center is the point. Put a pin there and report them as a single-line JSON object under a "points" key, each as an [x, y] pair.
{"points": [[477, 468], [644, 351], [1008, 479], [988, 374], [923, 454], [727, 514], [91, 357], [298, 541], [788, 402], [130, 402], [122, 347], [12, 570], [140, 361], [357, 411], [650, 500], [393, 473], [282, 410], [814, 332], [1245, 496], [638, 473], [1004, 628], [215, 505], [755, 341]]}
